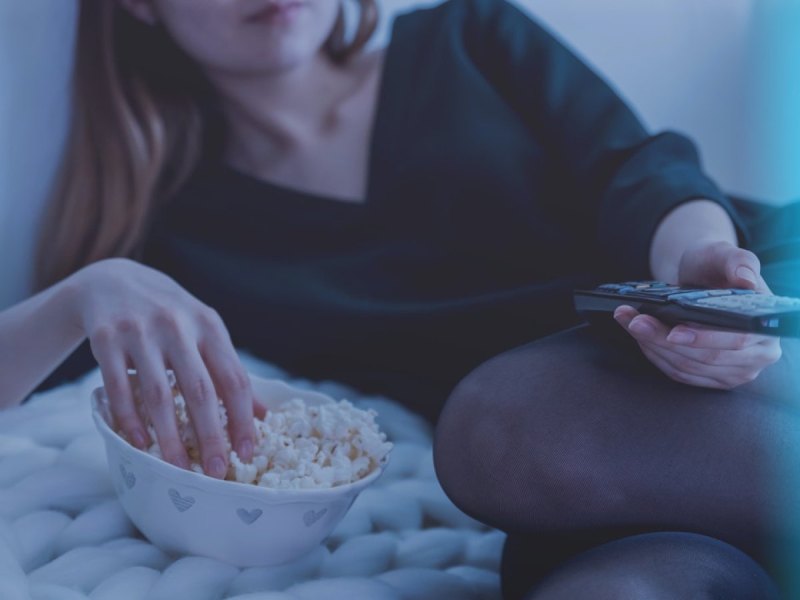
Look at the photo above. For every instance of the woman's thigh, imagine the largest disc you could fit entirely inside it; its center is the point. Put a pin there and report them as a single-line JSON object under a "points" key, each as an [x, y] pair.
{"points": [[579, 432]]}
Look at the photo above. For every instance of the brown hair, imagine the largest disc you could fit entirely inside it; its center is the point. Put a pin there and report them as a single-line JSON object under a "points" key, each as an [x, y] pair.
{"points": [[139, 126]]}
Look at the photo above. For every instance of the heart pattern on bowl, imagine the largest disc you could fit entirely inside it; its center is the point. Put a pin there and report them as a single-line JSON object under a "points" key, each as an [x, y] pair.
{"points": [[248, 517], [182, 503], [312, 516], [128, 477]]}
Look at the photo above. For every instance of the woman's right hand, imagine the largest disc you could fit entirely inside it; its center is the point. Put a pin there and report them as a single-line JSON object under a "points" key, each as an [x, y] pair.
{"points": [[137, 317]]}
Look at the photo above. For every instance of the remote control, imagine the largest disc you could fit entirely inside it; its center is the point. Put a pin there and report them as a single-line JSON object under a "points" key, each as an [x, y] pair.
{"points": [[743, 310]]}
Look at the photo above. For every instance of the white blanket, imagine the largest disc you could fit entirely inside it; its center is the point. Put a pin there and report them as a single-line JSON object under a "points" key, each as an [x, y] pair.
{"points": [[64, 535]]}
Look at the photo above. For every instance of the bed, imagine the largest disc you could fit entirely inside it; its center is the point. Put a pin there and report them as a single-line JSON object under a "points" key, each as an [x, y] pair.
{"points": [[64, 535]]}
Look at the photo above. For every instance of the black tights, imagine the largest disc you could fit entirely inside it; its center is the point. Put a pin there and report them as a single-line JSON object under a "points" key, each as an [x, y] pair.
{"points": [[615, 482], [575, 440]]}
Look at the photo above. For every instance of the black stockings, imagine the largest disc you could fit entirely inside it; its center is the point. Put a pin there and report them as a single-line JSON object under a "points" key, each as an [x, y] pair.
{"points": [[576, 440], [614, 482]]}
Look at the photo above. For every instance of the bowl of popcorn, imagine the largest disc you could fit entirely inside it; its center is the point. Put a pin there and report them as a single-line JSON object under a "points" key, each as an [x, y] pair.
{"points": [[313, 457]]}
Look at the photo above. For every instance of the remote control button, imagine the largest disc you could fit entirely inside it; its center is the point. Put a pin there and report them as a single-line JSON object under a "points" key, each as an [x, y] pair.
{"points": [[785, 302], [636, 284], [756, 304], [611, 287], [656, 292], [688, 296]]}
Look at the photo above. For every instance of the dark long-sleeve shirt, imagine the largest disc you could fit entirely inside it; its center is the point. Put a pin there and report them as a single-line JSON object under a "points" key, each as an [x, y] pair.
{"points": [[503, 173]]}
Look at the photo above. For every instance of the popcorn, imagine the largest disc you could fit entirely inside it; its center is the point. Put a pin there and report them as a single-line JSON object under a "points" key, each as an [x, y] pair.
{"points": [[298, 446]]}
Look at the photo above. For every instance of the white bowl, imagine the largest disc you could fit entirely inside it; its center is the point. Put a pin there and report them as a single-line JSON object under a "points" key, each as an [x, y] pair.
{"points": [[242, 524]]}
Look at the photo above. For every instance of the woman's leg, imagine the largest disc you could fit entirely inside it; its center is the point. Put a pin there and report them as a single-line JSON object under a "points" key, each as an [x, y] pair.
{"points": [[580, 439], [654, 566], [576, 440]]}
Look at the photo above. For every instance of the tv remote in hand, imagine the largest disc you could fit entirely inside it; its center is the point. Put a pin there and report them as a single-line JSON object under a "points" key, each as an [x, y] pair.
{"points": [[738, 309]]}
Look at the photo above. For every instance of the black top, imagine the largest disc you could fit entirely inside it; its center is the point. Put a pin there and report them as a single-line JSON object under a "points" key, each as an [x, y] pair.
{"points": [[503, 174]]}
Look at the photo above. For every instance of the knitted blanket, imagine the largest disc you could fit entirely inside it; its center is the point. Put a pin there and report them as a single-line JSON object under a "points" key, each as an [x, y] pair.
{"points": [[64, 535]]}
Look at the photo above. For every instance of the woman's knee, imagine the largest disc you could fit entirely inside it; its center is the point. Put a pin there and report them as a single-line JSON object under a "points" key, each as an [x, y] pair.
{"points": [[469, 444], [508, 446]]}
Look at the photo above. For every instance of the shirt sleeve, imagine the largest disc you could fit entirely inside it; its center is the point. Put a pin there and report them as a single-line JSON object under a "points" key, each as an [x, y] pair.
{"points": [[621, 178]]}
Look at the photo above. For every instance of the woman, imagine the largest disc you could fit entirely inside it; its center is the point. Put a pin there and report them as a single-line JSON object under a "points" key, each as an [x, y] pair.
{"points": [[392, 219]]}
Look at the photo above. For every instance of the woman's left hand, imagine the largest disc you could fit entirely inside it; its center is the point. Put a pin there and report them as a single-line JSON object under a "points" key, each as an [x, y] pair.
{"points": [[698, 355]]}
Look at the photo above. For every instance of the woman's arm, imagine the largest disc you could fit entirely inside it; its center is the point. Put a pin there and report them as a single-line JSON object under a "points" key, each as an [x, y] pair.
{"points": [[35, 337], [136, 316], [618, 181], [652, 209], [695, 244]]}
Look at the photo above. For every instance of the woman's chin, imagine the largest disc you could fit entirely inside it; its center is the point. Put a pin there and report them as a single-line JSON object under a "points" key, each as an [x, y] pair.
{"points": [[285, 63]]}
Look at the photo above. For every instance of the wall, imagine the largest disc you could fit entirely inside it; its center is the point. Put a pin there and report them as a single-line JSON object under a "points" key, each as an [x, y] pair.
{"points": [[36, 37]]}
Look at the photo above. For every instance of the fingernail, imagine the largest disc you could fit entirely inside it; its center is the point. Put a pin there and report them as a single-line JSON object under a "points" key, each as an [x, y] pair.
{"points": [[216, 467], [681, 337], [747, 274], [641, 327], [138, 440], [245, 450]]}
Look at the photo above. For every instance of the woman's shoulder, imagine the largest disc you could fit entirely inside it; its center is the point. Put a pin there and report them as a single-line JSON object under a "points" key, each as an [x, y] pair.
{"points": [[476, 25], [464, 8], [465, 13]]}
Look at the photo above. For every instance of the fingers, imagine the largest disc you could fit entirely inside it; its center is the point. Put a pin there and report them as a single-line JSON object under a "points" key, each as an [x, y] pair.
{"points": [[232, 384], [647, 328], [727, 375], [676, 374], [158, 399], [114, 370], [163, 339], [695, 341], [705, 357], [148, 322], [203, 407], [742, 269], [260, 409], [697, 336], [637, 324], [721, 265]]}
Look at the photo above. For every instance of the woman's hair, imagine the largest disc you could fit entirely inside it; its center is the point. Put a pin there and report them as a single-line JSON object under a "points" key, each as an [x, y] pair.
{"points": [[142, 119]]}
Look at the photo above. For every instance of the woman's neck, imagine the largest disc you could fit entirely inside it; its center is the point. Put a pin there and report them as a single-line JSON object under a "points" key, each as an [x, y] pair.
{"points": [[270, 114]]}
